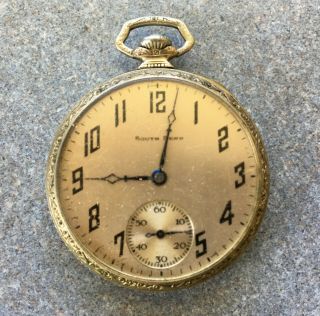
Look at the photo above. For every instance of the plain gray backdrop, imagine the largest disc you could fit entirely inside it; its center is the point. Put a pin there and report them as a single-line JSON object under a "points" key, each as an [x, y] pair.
{"points": [[265, 52]]}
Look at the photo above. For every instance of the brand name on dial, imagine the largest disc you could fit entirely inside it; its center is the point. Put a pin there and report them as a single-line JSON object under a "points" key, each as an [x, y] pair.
{"points": [[156, 139]]}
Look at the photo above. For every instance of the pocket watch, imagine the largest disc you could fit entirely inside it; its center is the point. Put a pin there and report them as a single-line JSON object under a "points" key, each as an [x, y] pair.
{"points": [[157, 178]]}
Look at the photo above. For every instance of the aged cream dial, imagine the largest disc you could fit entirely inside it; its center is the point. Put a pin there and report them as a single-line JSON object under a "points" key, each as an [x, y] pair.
{"points": [[111, 164]]}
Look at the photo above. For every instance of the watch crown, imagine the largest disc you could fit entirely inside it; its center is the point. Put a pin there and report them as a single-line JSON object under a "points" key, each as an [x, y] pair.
{"points": [[156, 42], [156, 50]]}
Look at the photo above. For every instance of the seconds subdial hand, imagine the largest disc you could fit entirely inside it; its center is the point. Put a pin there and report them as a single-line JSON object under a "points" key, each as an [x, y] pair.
{"points": [[161, 233], [113, 178]]}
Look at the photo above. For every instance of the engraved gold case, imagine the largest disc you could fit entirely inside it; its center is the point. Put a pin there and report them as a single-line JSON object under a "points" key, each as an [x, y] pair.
{"points": [[158, 178]]}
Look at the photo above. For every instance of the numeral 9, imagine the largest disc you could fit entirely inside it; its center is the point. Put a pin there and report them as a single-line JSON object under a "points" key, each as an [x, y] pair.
{"points": [[77, 178]]}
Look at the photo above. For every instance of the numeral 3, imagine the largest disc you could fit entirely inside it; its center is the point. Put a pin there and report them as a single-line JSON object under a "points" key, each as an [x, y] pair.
{"points": [[240, 170]]}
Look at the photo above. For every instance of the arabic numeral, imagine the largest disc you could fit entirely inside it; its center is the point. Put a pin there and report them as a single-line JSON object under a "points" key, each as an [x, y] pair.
{"points": [[223, 144], [120, 113], [180, 245], [92, 143], [201, 243], [121, 243], [227, 215], [180, 221], [142, 247], [159, 209], [240, 170], [196, 113], [94, 217], [77, 178], [161, 259], [157, 100], [141, 222]]}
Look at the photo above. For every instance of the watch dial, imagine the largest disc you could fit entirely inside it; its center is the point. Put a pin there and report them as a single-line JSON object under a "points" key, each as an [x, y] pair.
{"points": [[158, 180]]}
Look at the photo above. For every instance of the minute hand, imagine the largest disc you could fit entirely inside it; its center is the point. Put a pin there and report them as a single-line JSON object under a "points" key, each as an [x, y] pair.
{"points": [[171, 120]]}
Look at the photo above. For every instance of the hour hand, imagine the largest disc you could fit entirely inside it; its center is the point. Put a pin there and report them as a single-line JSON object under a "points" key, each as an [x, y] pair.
{"points": [[113, 178]]}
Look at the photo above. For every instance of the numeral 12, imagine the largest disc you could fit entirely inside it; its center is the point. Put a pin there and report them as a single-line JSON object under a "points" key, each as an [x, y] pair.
{"points": [[156, 102]]}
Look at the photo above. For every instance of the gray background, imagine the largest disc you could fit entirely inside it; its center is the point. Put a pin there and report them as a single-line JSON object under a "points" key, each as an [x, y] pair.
{"points": [[265, 52]]}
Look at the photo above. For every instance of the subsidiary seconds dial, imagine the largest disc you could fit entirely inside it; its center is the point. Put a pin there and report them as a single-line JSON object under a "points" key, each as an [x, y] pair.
{"points": [[159, 234]]}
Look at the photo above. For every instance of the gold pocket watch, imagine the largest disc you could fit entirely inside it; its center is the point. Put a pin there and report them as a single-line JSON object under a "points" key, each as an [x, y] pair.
{"points": [[158, 178]]}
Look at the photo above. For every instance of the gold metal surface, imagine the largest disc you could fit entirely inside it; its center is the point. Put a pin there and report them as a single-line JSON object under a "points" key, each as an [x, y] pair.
{"points": [[200, 178], [155, 50]]}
